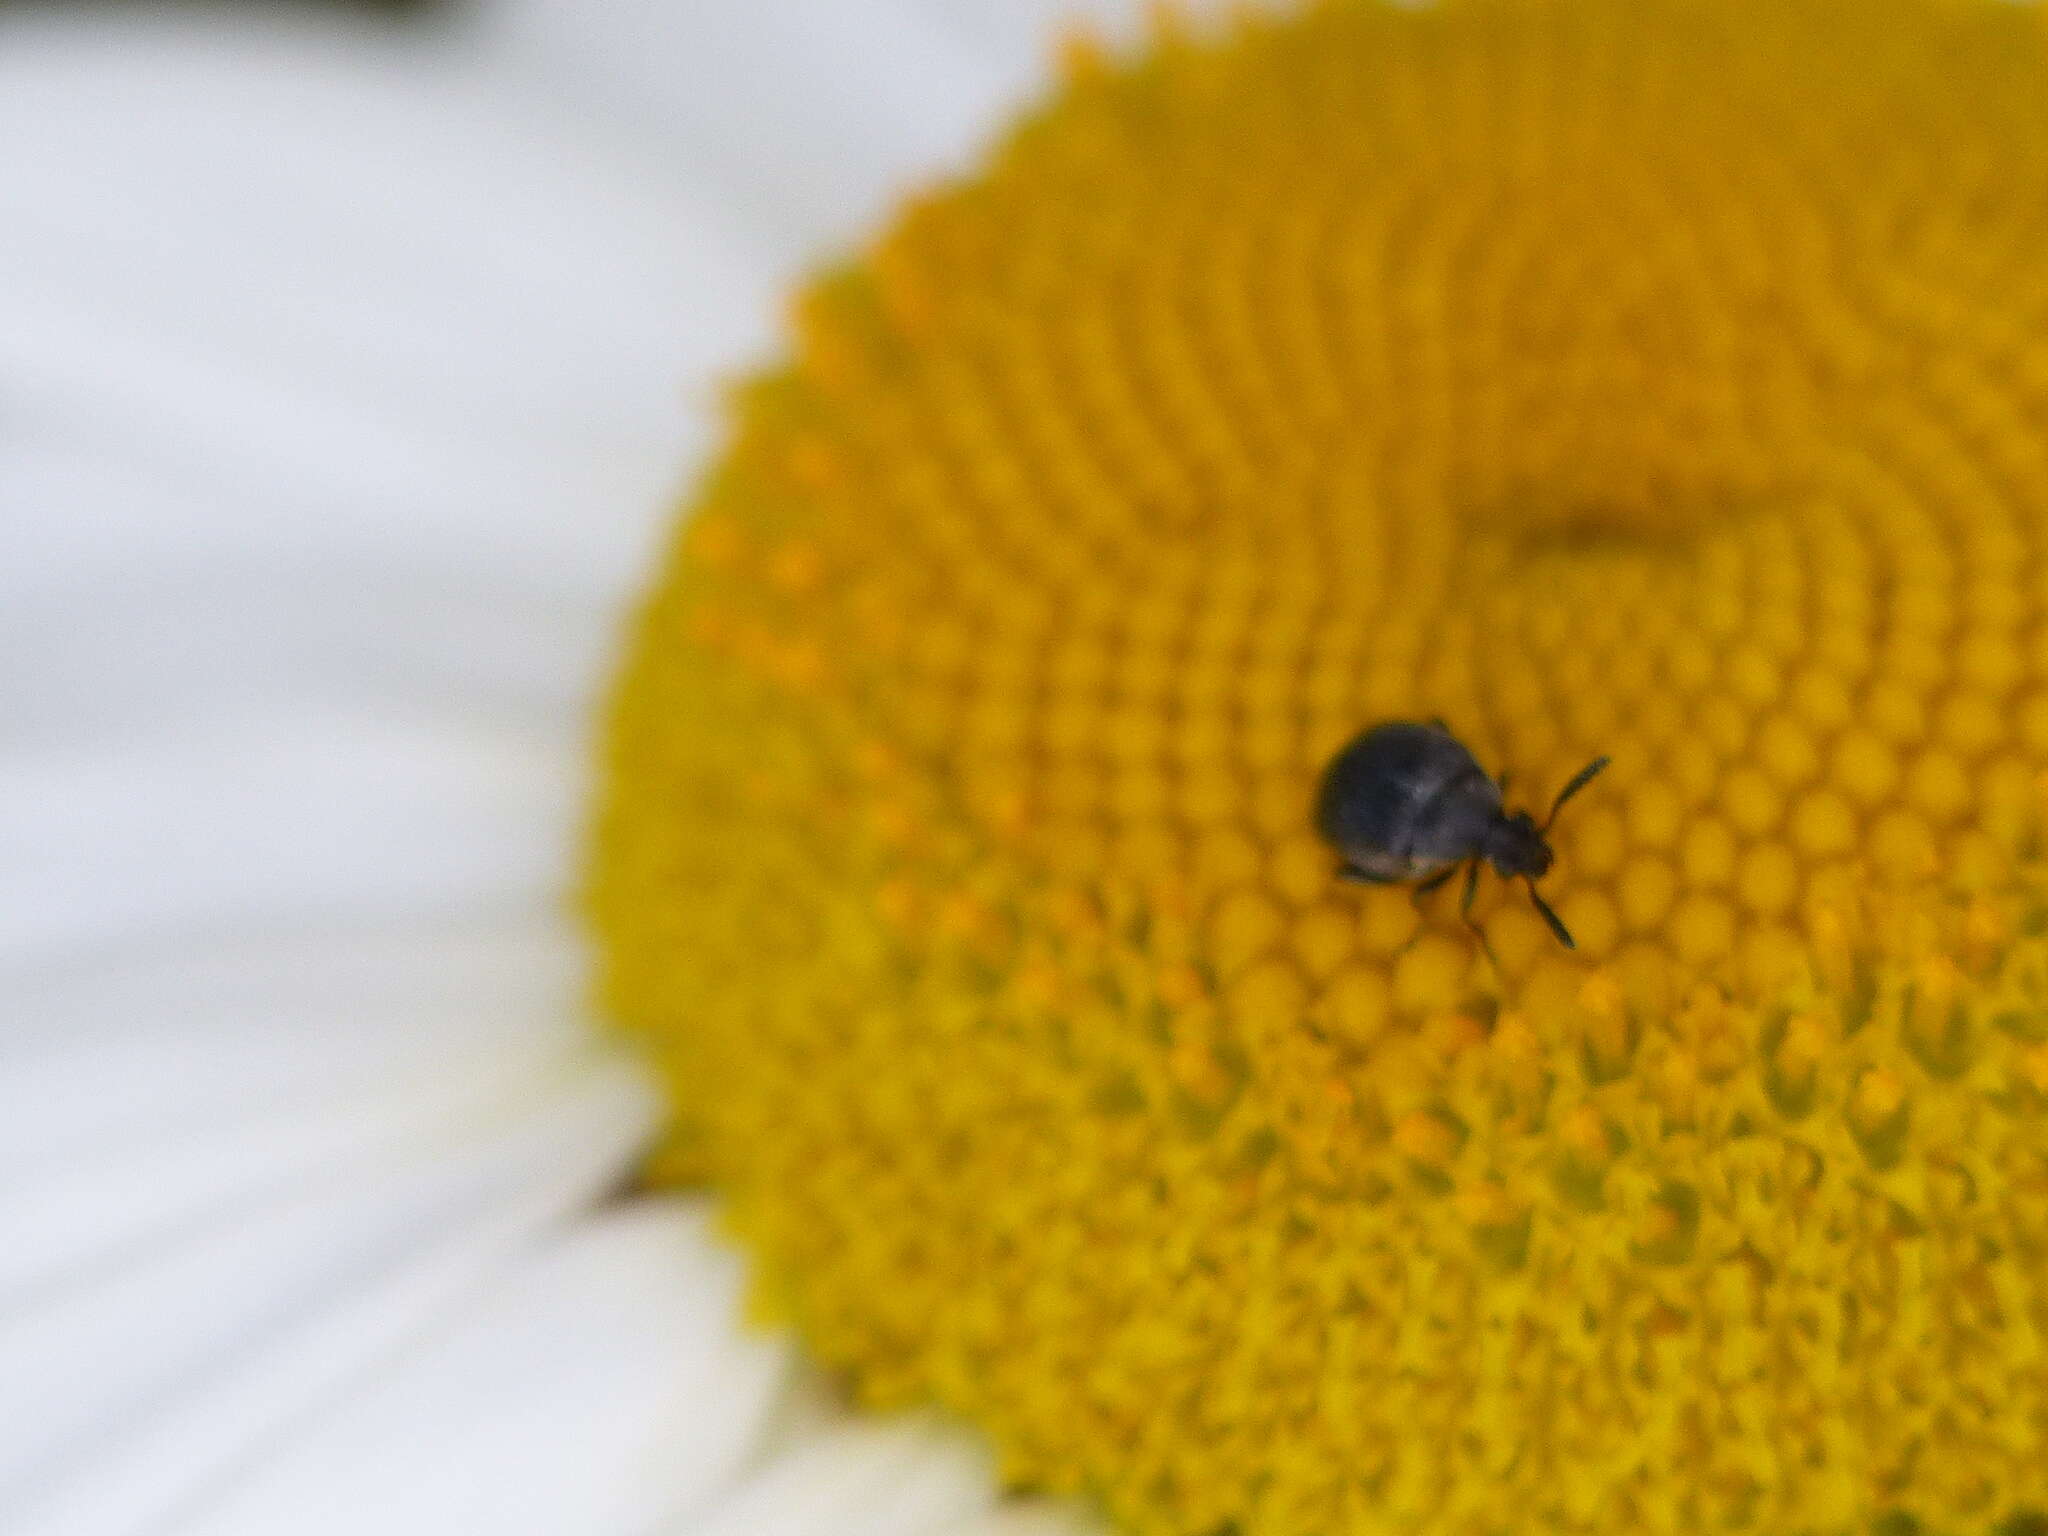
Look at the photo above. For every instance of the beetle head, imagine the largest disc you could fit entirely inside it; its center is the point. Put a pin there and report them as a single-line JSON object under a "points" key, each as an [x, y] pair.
{"points": [[1515, 847]]}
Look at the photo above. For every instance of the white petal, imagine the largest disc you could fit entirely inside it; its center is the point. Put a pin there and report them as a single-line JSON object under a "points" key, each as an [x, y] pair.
{"points": [[1021, 36], [1027, 29], [188, 645], [901, 1477], [145, 1097], [334, 375], [598, 1383], [338, 275], [336, 817], [126, 1396], [1032, 1517], [812, 115]]}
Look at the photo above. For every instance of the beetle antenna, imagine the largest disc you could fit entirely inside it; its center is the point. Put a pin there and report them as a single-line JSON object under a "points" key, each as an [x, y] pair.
{"points": [[1564, 934], [1578, 782]]}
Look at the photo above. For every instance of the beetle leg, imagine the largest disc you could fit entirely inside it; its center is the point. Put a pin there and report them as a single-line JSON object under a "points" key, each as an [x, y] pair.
{"points": [[1465, 912], [1564, 934], [1434, 882], [1359, 876]]}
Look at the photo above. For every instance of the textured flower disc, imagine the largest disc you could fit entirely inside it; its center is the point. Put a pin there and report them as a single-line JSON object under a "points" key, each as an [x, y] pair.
{"points": [[1668, 381]]}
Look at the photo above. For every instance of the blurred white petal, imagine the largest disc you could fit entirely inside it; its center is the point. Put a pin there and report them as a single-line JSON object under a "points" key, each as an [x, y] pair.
{"points": [[1023, 36], [345, 399], [251, 1318], [347, 378], [1035, 1517], [594, 1386], [902, 1477], [327, 816], [814, 115], [1014, 29], [148, 1095], [246, 243], [285, 310], [171, 654]]}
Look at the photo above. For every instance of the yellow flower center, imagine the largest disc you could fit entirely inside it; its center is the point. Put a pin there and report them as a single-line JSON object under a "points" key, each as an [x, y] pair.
{"points": [[1666, 380]]}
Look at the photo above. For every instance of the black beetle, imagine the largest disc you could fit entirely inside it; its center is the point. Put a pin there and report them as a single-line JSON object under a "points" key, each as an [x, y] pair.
{"points": [[1407, 801]]}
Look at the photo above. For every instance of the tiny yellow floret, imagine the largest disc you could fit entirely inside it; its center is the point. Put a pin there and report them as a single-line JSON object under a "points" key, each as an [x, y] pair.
{"points": [[1665, 379]]}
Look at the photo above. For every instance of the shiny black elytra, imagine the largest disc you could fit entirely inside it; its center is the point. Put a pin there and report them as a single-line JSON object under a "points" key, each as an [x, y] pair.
{"points": [[1407, 801]]}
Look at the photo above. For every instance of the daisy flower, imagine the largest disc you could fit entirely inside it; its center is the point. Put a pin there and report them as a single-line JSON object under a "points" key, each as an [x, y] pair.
{"points": [[1650, 380]]}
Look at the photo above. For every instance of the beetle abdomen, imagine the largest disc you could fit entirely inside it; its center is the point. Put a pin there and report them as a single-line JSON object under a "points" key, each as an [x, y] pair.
{"points": [[1403, 800]]}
